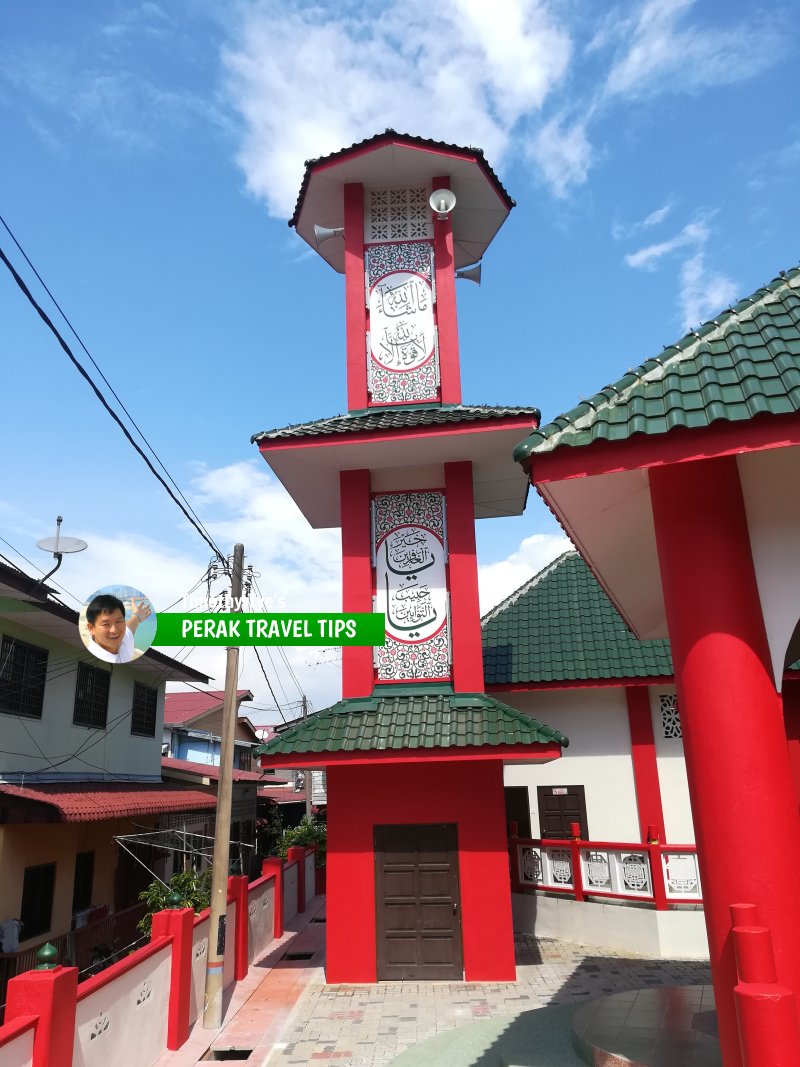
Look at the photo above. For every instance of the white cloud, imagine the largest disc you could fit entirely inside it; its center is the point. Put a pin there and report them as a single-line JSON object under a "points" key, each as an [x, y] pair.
{"points": [[620, 231], [310, 82], [498, 580], [562, 153], [656, 50], [656, 217], [703, 292], [694, 233]]}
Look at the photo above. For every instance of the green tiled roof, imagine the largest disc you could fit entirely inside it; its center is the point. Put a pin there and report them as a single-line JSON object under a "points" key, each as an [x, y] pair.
{"points": [[397, 418], [561, 626], [744, 363], [411, 719]]}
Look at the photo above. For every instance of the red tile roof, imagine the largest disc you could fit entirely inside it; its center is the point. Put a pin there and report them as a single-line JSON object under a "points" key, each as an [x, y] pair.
{"points": [[181, 708], [95, 801], [281, 795], [210, 770]]}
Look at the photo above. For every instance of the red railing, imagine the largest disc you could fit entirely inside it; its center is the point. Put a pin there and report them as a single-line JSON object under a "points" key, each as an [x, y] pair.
{"points": [[650, 872]]}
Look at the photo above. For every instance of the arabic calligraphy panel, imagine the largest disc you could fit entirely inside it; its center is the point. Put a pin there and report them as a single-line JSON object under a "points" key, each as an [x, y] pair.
{"points": [[410, 556]]}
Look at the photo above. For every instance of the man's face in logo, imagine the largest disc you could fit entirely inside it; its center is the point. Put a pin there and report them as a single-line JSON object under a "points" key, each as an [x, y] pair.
{"points": [[108, 630]]}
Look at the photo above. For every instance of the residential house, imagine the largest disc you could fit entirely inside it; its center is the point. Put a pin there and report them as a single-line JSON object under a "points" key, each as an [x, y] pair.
{"points": [[193, 728]]}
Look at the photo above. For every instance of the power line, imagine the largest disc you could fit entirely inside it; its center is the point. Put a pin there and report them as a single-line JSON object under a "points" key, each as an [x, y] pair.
{"points": [[269, 686], [195, 523]]}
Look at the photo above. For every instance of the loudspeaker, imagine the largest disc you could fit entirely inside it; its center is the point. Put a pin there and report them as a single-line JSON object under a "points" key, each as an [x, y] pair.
{"points": [[471, 274], [442, 202], [323, 233]]}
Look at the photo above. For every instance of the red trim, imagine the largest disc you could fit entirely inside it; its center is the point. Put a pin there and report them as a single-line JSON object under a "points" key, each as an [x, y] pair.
{"points": [[12, 1030], [724, 682], [51, 996], [465, 616], [297, 855], [274, 868], [527, 753], [357, 669], [446, 317], [178, 926], [645, 766], [680, 445], [583, 683], [354, 296], [97, 981], [488, 425], [237, 889], [791, 718]]}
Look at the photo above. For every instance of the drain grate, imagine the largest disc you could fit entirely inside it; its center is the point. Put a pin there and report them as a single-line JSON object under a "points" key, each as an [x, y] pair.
{"points": [[297, 955], [228, 1054], [318, 919]]}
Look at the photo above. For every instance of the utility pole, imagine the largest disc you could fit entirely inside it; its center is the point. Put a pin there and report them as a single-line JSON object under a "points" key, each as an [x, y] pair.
{"points": [[309, 774], [212, 1012]]}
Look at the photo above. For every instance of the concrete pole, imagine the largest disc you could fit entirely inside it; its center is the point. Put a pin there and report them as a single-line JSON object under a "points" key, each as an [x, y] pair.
{"points": [[212, 1012]]}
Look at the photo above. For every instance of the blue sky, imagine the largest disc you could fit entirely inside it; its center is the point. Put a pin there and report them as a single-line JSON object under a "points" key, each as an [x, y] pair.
{"points": [[153, 152]]}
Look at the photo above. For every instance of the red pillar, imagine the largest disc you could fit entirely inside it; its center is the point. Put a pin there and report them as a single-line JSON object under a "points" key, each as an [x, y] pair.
{"points": [[237, 888], [465, 615], [743, 801], [274, 866], [791, 719], [446, 319], [52, 996], [354, 297], [645, 766], [178, 925], [297, 853], [357, 670]]}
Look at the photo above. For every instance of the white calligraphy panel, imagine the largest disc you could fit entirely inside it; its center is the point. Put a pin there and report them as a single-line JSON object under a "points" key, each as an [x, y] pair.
{"points": [[403, 358], [410, 554]]}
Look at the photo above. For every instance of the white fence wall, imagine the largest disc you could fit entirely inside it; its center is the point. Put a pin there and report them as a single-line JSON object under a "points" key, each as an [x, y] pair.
{"points": [[289, 892], [124, 1021], [18, 1052], [311, 860], [199, 960], [261, 917]]}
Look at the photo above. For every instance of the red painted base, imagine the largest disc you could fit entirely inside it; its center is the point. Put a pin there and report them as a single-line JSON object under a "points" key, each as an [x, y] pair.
{"points": [[469, 794]]}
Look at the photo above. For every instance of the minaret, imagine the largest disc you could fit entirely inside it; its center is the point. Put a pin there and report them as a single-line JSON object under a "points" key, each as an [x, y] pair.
{"points": [[415, 749]]}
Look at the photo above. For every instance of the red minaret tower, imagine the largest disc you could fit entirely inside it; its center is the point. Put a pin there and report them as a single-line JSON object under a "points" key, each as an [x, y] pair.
{"points": [[417, 878]]}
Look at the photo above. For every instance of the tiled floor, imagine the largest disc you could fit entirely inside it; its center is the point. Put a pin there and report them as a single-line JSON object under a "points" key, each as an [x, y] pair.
{"points": [[368, 1026]]}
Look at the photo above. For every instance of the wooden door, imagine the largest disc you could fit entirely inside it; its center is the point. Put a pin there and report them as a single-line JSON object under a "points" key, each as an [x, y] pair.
{"points": [[417, 903], [518, 809], [559, 806]]}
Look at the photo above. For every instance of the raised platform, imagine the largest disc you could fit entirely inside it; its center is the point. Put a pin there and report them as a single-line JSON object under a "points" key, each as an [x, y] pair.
{"points": [[671, 1026]]}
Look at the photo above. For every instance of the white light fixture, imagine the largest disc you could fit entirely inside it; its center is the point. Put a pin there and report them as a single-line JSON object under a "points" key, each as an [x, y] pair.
{"points": [[442, 202], [324, 233]]}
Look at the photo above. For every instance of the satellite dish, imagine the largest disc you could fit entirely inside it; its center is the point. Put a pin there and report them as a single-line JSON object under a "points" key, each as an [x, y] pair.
{"points": [[442, 202], [59, 546]]}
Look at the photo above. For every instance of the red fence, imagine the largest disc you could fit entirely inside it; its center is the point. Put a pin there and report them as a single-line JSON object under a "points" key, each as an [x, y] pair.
{"points": [[47, 1018], [655, 873]]}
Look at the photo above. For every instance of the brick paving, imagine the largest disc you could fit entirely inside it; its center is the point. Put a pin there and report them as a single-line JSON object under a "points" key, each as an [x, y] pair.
{"points": [[368, 1026]]}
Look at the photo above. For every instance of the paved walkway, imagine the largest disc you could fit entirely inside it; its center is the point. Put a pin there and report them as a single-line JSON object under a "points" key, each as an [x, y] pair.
{"points": [[285, 1014]]}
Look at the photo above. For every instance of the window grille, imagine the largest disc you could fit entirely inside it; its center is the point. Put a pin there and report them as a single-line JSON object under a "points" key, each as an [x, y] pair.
{"points": [[23, 670], [143, 718], [670, 718], [91, 697]]}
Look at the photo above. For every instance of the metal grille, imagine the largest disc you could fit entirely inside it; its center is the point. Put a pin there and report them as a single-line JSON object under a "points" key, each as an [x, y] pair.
{"points": [[143, 718], [23, 670], [91, 697], [670, 719]]}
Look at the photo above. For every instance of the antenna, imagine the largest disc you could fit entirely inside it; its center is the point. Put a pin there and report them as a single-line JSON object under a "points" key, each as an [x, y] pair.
{"points": [[59, 546]]}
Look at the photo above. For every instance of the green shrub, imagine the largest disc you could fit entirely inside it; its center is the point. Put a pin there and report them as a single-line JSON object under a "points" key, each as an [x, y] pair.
{"points": [[305, 835], [193, 889]]}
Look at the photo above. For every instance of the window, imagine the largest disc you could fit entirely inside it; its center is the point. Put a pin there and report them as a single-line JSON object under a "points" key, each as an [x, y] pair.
{"points": [[37, 899], [245, 759], [670, 716], [143, 719], [23, 669], [84, 876], [91, 697]]}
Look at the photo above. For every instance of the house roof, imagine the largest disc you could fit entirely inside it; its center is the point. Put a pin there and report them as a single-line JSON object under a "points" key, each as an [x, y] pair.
{"points": [[390, 135], [182, 708], [561, 626], [95, 801], [744, 363], [396, 418], [209, 770], [29, 602], [411, 720]]}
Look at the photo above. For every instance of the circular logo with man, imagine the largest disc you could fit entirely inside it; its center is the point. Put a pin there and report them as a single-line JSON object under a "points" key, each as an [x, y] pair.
{"points": [[117, 624]]}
